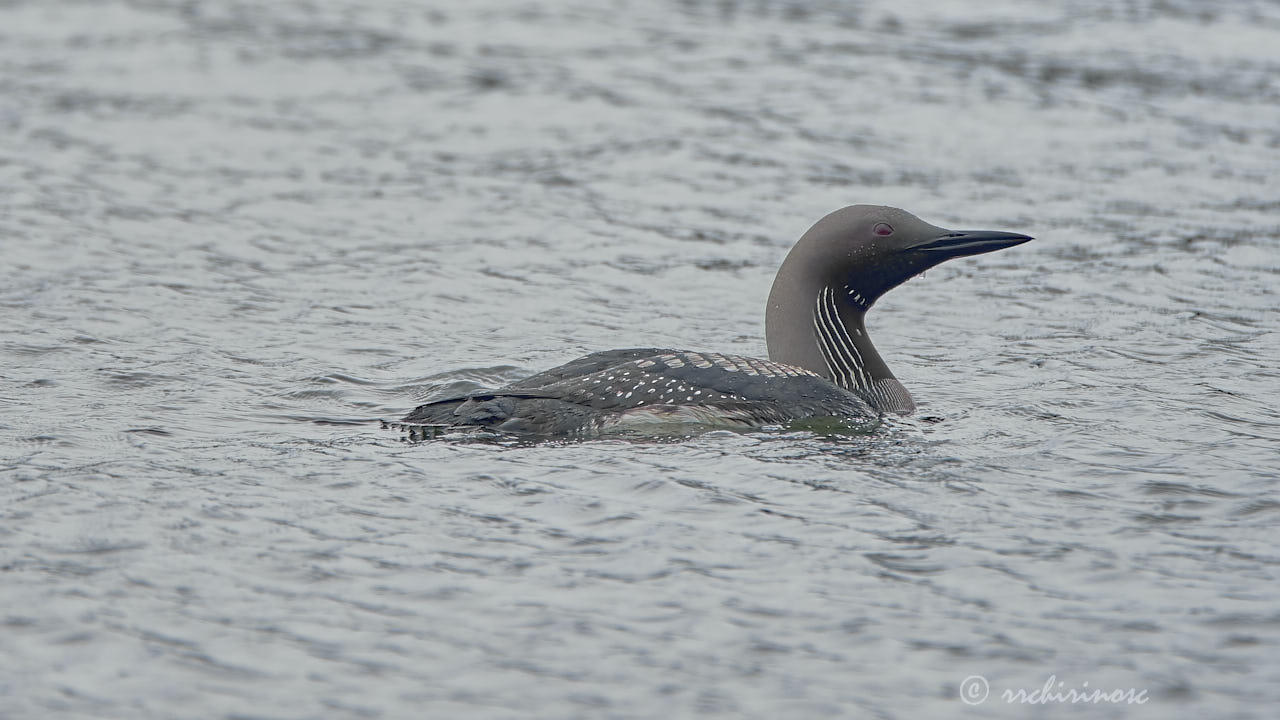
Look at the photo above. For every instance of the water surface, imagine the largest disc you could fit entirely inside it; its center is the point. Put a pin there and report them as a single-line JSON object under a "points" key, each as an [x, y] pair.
{"points": [[235, 235]]}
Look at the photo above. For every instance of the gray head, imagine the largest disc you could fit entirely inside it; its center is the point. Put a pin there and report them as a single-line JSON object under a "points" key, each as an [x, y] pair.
{"points": [[837, 271]]}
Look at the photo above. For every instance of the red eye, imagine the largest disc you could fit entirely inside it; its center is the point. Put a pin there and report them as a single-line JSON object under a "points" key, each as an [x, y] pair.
{"points": [[882, 229]]}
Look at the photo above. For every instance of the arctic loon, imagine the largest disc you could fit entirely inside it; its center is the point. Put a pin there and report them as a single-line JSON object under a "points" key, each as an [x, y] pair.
{"points": [[821, 361]]}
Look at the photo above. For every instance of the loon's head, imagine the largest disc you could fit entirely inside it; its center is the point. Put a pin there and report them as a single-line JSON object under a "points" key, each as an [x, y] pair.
{"points": [[870, 249], [837, 271]]}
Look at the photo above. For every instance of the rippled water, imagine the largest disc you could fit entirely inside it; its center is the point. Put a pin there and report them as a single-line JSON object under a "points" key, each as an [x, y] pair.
{"points": [[234, 235]]}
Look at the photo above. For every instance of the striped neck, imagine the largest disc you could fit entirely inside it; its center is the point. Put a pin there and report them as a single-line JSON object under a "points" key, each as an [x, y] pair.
{"points": [[852, 361]]}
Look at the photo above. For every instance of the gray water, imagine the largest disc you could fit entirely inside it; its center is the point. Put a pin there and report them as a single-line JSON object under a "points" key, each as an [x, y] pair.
{"points": [[234, 235]]}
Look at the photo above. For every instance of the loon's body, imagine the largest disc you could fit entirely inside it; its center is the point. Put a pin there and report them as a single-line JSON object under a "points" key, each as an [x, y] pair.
{"points": [[821, 361]]}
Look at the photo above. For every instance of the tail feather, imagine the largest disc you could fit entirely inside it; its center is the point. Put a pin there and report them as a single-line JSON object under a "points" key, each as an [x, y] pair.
{"points": [[502, 412]]}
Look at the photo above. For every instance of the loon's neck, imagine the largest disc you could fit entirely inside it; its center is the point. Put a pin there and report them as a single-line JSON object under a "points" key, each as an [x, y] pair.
{"points": [[829, 336], [839, 328], [851, 360]]}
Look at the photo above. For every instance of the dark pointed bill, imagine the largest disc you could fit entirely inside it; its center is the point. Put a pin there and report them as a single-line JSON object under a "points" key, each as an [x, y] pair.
{"points": [[969, 242]]}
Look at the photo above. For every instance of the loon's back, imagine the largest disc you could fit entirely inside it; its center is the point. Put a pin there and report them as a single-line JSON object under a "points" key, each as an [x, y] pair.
{"points": [[621, 389]]}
